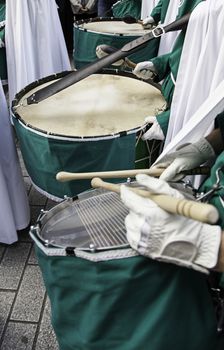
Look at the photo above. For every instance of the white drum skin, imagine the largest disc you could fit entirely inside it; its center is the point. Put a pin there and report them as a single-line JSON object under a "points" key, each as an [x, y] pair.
{"points": [[101, 104]]}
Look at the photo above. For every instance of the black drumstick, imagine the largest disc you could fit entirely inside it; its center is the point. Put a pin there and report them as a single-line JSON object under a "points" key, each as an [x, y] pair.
{"points": [[98, 65], [130, 20]]}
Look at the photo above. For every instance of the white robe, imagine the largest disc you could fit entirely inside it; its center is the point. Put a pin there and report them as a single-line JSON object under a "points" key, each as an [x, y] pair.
{"points": [[167, 41], [201, 66], [147, 7], [199, 91], [35, 45], [14, 206]]}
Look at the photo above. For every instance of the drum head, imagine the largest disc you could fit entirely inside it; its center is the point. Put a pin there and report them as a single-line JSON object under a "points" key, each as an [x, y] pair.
{"points": [[95, 220], [114, 28], [101, 104]]}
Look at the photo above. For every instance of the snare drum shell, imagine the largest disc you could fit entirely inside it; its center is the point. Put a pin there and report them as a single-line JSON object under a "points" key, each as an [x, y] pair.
{"points": [[85, 43], [44, 157], [127, 304]]}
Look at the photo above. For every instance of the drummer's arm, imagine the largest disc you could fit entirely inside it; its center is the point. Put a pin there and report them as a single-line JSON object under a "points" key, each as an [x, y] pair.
{"points": [[156, 12]]}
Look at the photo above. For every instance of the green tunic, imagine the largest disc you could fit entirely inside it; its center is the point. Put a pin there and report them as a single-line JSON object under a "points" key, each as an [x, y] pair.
{"points": [[124, 8], [159, 11], [167, 65]]}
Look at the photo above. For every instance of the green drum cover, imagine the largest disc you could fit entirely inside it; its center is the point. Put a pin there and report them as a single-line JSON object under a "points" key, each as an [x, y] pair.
{"points": [[85, 43], [128, 304], [124, 8], [44, 157], [217, 198]]}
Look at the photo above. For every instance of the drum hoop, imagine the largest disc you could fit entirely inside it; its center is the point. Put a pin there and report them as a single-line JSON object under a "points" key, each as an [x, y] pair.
{"points": [[49, 135], [103, 19], [54, 249], [97, 19]]}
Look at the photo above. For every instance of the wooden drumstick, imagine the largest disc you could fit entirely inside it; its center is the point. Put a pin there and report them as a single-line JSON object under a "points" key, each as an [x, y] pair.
{"points": [[194, 210], [64, 176]]}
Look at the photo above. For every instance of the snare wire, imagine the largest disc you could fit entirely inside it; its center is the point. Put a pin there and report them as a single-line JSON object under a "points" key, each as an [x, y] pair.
{"points": [[110, 229]]}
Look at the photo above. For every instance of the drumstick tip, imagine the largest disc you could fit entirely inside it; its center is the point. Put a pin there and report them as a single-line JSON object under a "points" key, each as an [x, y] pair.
{"points": [[60, 176]]}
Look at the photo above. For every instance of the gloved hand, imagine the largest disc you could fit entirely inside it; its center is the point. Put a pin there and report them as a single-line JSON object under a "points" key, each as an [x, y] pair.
{"points": [[148, 22], [155, 132], [170, 238], [145, 70], [186, 157]]}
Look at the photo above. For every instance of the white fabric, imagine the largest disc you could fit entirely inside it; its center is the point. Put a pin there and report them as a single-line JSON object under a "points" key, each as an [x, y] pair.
{"points": [[155, 132], [200, 122], [148, 22], [147, 7], [167, 237], [35, 44], [201, 66], [144, 70], [167, 41], [14, 207], [186, 157]]}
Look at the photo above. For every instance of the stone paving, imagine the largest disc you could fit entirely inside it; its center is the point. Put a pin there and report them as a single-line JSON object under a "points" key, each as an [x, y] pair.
{"points": [[24, 306]]}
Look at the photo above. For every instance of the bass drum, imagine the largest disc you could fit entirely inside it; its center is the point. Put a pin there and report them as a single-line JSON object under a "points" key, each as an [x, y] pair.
{"points": [[88, 34], [91, 126]]}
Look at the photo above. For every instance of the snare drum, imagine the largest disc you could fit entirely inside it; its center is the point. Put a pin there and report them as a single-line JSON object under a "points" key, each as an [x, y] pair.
{"points": [[88, 34], [90, 126], [104, 295]]}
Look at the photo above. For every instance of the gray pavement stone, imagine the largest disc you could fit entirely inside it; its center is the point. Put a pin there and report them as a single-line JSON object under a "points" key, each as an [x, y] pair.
{"points": [[2, 249], [12, 265], [27, 183], [32, 259], [6, 300], [35, 212], [36, 197], [46, 338], [22, 165], [19, 336], [50, 204], [30, 296]]}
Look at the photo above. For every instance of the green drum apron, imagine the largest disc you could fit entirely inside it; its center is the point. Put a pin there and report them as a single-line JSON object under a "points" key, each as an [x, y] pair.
{"points": [[88, 34], [104, 296], [91, 126]]}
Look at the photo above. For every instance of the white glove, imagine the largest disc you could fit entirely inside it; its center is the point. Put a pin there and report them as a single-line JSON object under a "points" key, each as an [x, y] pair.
{"points": [[148, 22], [155, 132], [145, 70], [186, 157], [159, 235]]}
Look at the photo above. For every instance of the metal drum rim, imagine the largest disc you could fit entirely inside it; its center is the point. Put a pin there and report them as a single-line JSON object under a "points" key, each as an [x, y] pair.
{"points": [[74, 138]]}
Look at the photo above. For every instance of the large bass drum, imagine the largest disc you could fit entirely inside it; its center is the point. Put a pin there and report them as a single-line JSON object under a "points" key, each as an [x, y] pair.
{"points": [[90, 126], [104, 296], [88, 34]]}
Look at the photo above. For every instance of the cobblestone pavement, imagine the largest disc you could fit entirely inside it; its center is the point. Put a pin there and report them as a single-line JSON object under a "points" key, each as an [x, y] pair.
{"points": [[24, 306]]}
